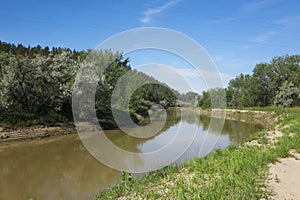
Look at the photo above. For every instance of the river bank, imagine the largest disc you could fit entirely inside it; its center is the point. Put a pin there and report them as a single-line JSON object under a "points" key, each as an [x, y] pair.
{"points": [[55, 129], [238, 172], [35, 132]]}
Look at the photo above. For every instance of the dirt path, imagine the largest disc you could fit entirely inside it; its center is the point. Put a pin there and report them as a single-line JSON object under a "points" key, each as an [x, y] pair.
{"points": [[284, 178]]}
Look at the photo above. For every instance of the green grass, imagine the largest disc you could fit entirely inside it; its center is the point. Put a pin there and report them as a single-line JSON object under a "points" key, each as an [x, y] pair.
{"points": [[238, 172], [275, 109]]}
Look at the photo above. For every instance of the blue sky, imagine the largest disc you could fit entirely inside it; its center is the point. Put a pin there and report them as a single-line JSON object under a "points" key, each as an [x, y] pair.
{"points": [[236, 34]]}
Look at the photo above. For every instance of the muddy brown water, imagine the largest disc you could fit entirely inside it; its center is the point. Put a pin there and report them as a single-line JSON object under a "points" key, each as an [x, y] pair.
{"points": [[60, 167]]}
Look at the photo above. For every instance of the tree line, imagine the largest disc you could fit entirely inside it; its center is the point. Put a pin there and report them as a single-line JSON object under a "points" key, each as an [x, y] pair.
{"points": [[37, 83], [274, 83]]}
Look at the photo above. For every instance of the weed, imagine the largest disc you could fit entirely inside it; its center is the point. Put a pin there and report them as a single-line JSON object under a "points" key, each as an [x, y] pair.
{"points": [[277, 179]]}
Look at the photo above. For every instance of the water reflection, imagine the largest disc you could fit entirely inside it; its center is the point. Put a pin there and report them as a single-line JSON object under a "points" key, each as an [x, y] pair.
{"points": [[61, 168]]}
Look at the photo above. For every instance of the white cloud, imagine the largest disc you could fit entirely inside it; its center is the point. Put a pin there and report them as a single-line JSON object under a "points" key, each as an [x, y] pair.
{"points": [[148, 14]]}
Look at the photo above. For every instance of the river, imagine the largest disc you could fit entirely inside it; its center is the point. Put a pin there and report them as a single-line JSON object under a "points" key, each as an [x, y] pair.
{"points": [[60, 167]]}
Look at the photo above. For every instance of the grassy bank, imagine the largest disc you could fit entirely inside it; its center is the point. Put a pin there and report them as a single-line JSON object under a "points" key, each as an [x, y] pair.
{"points": [[238, 172]]}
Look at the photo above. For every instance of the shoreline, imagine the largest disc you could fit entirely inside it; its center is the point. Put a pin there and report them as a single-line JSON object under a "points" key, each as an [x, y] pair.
{"points": [[250, 116], [35, 132], [42, 131]]}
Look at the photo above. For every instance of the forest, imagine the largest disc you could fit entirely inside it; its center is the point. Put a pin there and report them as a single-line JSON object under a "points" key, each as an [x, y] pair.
{"points": [[36, 86]]}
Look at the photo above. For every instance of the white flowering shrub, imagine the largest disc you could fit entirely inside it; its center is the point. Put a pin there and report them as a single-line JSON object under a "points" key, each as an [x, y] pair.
{"points": [[286, 95], [36, 85]]}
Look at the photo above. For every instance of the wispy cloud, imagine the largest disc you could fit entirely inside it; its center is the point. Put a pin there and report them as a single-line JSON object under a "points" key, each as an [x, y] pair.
{"points": [[289, 23], [223, 20], [263, 37], [186, 79], [148, 14], [285, 25], [253, 6], [196, 77], [187, 72], [218, 58]]}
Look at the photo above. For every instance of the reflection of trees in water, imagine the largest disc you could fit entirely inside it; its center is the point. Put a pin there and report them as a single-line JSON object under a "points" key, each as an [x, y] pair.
{"points": [[237, 130], [190, 117], [130, 143]]}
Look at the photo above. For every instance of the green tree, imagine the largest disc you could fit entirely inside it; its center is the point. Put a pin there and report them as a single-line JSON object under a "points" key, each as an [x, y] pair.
{"points": [[241, 91], [286, 95], [260, 88], [205, 100]]}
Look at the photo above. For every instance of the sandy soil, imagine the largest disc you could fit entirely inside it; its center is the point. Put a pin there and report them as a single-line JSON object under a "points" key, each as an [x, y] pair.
{"points": [[260, 117], [284, 178], [35, 132]]}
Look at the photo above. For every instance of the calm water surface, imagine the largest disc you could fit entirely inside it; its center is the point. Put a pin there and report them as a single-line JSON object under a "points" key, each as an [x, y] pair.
{"points": [[61, 168]]}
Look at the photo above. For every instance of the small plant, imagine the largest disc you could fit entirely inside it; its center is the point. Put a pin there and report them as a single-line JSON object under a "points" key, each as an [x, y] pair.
{"points": [[277, 179], [126, 178]]}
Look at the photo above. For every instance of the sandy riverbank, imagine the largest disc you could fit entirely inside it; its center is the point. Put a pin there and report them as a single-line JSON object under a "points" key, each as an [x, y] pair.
{"points": [[39, 131], [35, 132], [284, 177]]}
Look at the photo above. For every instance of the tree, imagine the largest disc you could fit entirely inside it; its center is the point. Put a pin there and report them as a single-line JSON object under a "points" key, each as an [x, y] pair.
{"points": [[241, 91], [38, 86], [218, 97], [286, 95], [229, 93], [264, 84], [260, 88], [205, 100], [287, 68]]}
